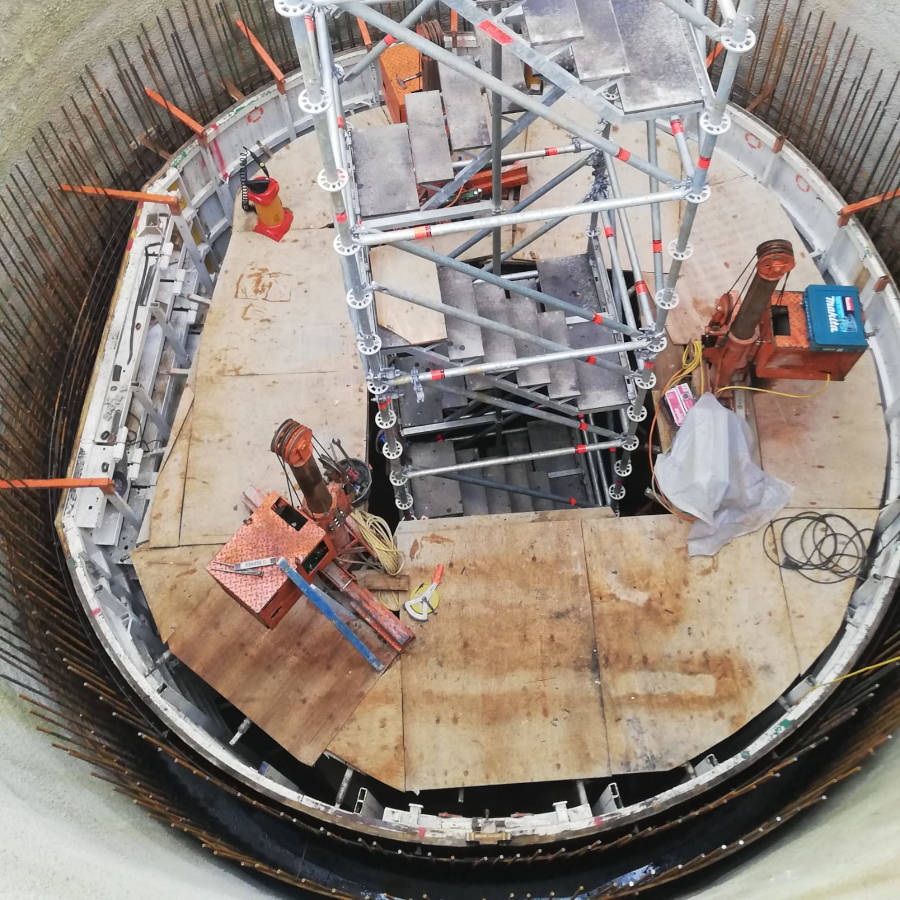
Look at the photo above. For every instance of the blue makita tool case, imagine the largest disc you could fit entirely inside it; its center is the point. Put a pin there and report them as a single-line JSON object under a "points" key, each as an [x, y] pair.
{"points": [[833, 317]]}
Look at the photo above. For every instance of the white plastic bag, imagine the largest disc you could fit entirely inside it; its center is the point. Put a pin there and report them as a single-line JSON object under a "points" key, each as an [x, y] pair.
{"points": [[709, 473]]}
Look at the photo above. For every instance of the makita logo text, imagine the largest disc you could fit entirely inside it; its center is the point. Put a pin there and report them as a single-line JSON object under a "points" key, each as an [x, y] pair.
{"points": [[830, 308]]}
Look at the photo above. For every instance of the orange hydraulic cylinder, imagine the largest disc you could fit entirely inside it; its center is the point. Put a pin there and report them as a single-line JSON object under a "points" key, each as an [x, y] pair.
{"points": [[273, 219]]}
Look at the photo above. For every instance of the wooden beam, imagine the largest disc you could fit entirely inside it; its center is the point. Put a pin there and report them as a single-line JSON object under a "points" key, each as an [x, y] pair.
{"points": [[261, 52]]}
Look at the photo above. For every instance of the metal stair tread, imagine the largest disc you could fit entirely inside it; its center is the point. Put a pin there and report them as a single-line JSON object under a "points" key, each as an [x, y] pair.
{"points": [[517, 474], [600, 54], [539, 481], [384, 189], [563, 384], [570, 278], [523, 314], [433, 496], [463, 338], [474, 496], [600, 388], [544, 436], [664, 70], [492, 303], [549, 21]]}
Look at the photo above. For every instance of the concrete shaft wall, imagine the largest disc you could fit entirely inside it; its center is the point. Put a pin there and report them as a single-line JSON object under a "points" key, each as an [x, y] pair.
{"points": [[64, 833]]}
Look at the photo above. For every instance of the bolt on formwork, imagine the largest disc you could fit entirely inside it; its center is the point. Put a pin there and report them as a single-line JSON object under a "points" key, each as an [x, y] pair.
{"points": [[583, 60]]}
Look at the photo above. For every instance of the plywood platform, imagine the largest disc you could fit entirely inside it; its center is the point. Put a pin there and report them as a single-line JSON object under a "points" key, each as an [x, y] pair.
{"points": [[568, 644]]}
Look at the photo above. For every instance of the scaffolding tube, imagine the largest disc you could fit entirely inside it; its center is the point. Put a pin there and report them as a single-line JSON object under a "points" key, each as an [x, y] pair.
{"points": [[528, 411], [507, 365], [523, 204], [512, 489], [375, 238], [516, 458]]}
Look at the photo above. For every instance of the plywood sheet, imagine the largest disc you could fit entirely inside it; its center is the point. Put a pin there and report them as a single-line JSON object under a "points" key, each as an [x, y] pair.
{"points": [[371, 740], [234, 420], [740, 214], [396, 268], [278, 308], [689, 649], [817, 610], [831, 448], [500, 686], [299, 682]]}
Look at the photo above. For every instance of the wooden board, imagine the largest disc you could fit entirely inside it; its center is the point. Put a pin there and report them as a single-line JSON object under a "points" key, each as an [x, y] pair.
{"points": [[234, 420], [689, 649], [396, 268], [278, 308], [817, 610], [740, 214], [831, 448], [371, 740], [500, 686], [299, 681]]}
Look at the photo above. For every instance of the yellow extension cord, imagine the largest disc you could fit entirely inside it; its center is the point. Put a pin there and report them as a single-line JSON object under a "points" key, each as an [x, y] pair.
{"points": [[377, 536]]}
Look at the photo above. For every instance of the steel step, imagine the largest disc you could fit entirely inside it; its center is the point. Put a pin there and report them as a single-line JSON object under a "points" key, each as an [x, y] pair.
{"points": [[474, 496], [428, 137], [550, 21], [384, 189], [463, 338], [522, 313], [544, 436], [492, 303], [600, 54], [563, 383], [434, 497], [517, 474], [600, 388], [465, 108], [498, 501], [539, 481], [570, 278], [665, 71]]}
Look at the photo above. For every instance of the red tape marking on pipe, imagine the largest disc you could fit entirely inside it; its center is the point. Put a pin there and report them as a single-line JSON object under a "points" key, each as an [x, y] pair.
{"points": [[437, 374], [310, 24], [583, 426], [341, 217], [598, 319], [591, 360], [494, 32], [581, 448], [423, 231], [703, 162], [389, 39], [623, 154], [551, 151], [657, 246], [677, 126], [608, 231], [641, 287]]}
